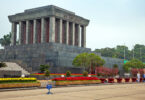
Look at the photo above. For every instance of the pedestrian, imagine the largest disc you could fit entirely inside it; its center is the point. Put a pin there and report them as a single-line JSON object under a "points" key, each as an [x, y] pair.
{"points": [[138, 77], [143, 76]]}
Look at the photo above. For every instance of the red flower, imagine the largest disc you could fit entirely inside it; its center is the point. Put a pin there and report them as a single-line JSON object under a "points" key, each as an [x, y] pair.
{"points": [[74, 78], [110, 80], [127, 79], [134, 79], [102, 80], [119, 80]]}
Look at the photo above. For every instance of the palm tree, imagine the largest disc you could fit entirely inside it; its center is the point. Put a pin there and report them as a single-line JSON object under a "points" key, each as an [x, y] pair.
{"points": [[2, 64], [6, 40]]}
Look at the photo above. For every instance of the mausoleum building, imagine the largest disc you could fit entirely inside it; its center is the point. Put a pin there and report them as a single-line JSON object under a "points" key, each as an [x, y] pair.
{"points": [[49, 24]]}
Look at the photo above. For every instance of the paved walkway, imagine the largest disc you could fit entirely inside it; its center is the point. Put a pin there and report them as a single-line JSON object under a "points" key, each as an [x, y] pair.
{"points": [[99, 92]]}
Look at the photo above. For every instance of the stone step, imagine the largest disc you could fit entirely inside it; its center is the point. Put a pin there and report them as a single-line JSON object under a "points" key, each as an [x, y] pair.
{"points": [[14, 67]]}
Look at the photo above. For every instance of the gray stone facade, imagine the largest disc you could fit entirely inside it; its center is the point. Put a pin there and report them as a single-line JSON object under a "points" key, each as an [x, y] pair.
{"points": [[60, 57], [55, 54], [4, 73]]}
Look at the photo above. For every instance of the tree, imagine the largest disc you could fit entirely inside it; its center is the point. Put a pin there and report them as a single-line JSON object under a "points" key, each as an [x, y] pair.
{"points": [[108, 52], [2, 64], [126, 68], [43, 68], [6, 40], [118, 52], [81, 60], [94, 61], [134, 63], [88, 61]]}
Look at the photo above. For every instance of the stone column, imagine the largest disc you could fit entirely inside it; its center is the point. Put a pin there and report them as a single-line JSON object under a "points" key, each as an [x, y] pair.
{"points": [[43, 30], [14, 34], [67, 32], [52, 29], [60, 31], [83, 37], [35, 32], [78, 35], [73, 33], [27, 32], [20, 32]]}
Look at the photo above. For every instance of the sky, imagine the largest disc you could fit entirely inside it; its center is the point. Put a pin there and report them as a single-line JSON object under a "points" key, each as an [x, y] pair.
{"points": [[112, 22]]}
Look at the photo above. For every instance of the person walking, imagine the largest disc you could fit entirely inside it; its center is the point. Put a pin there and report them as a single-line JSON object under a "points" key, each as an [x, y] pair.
{"points": [[138, 77], [143, 76]]}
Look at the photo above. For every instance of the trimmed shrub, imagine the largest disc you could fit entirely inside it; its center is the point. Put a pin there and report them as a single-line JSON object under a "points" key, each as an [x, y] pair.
{"points": [[68, 74], [47, 73], [43, 68], [85, 73]]}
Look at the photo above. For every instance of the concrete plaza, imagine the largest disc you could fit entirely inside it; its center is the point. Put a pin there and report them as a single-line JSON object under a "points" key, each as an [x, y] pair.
{"points": [[134, 91]]}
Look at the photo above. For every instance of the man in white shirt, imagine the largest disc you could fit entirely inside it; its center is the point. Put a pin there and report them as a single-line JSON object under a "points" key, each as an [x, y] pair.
{"points": [[138, 77]]}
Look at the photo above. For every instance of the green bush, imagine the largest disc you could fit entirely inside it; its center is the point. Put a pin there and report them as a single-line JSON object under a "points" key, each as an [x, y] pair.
{"points": [[68, 74], [47, 73], [85, 73], [43, 68]]}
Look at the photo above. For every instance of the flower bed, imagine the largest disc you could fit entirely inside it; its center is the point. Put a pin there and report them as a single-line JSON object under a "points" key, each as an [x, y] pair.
{"points": [[19, 85], [17, 80], [76, 80], [59, 74]]}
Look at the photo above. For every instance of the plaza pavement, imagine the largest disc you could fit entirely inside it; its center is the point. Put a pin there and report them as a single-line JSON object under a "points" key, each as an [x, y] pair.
{"points": [[134, 91]]}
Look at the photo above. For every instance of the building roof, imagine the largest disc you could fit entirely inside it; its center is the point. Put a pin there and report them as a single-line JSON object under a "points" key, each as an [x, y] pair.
{"points": [[47, 11]]}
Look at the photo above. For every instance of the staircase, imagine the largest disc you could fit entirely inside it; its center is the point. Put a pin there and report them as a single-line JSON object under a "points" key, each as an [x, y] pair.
{"points": [[15, 67]]}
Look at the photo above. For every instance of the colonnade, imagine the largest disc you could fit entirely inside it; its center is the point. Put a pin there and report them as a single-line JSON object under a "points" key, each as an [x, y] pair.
{"points": [[47, 30]]}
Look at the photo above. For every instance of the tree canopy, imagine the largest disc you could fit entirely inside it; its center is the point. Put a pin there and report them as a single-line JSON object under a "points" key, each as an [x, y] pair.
{"points": [[44, 68], [134, 63], [88, 60], [138, 52], [81, 60], [2, 64], [6, 40]]}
